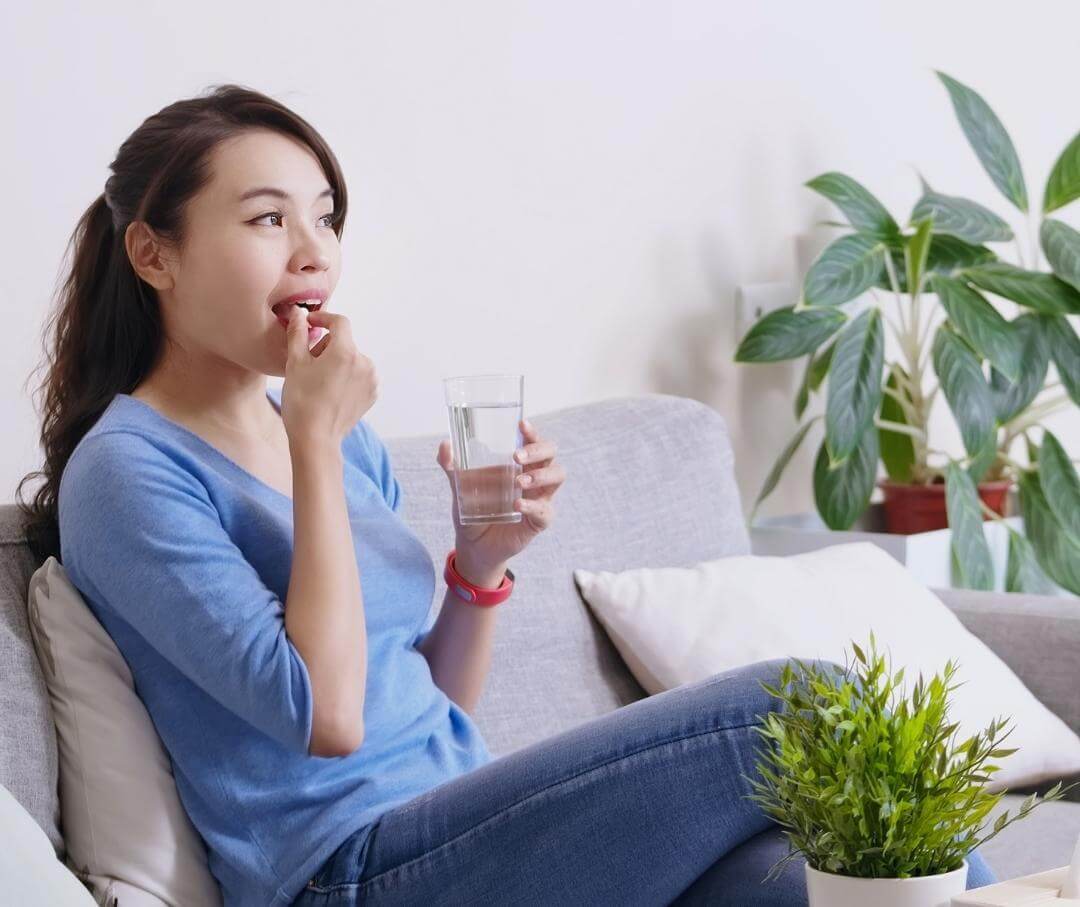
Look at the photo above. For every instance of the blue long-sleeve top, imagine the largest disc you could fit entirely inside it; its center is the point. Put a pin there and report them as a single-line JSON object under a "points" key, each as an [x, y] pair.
{"points": [[184, 558]]}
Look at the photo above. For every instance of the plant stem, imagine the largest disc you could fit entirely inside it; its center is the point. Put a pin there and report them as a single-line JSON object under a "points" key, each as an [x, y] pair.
{"points": [[1033, 237], [926, 331], [905, 404], [902, 380], [1020, 252], [1033, 415], [990, 512], [901, 428], [1009, 461], [898, 331]]}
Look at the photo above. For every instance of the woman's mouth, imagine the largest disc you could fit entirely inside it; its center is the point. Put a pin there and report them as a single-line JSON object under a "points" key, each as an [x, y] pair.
{"points": [[281, 310]]}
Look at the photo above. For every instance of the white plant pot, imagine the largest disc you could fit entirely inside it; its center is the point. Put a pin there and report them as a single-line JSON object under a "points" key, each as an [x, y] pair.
{"points": [[927, 555], [828, 890]]}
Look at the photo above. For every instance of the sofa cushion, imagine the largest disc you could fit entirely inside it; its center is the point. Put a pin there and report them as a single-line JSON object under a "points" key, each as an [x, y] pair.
{"points": [[28, 758], [681, 625], [122, 817], [1044, 839], [30, 873]]}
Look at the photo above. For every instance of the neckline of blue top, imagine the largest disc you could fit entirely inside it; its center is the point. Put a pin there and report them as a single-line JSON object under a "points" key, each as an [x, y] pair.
{"points": [[249, 477]]}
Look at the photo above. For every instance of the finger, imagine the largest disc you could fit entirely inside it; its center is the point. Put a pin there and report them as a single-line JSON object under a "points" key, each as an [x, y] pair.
{"points": [[538, 513], [536, 452], [444, 456], [335, 322], [296, 332], [542, 478]]}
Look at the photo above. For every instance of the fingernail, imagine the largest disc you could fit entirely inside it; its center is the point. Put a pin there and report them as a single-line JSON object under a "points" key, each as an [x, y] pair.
{"points": [[526, 480], [521, 456], [527, 424]]}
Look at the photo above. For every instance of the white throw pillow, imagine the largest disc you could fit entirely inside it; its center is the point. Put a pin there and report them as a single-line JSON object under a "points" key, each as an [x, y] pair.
{"points": [[29, 870], [126, 831], [679, 625]]}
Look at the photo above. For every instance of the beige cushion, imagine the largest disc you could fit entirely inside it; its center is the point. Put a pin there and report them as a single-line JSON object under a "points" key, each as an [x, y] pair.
{"points": [[29, 870], [124, 825], [679, 625]]}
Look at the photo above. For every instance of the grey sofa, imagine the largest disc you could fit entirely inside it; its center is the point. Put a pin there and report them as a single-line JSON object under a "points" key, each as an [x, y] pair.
{"points": [[650, 482]]}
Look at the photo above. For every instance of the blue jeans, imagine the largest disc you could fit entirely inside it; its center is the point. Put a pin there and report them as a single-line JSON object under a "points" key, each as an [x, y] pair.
{"points": [[645, 805]]}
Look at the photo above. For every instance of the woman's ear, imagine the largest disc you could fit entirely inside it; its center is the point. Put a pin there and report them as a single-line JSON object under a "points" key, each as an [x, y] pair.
{"points": [[147, 255]]}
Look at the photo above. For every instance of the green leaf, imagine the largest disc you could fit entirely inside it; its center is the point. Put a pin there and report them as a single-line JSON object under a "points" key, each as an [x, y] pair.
{"points": [[854, 390], [981, 461], [864, 212], [1022, 571], [1012, 397], [1064, 347], [1055, 550], [916, 251], [1063, 185], [897, 448], [843, 492], [1034, 289], [1060, 484], [780, 465], [965, 389], [989, 140], [980, 324], [1061, 243], [948, 255], [969, 545], [817, 366], [960, 217], [787, 333], [846, 268]]}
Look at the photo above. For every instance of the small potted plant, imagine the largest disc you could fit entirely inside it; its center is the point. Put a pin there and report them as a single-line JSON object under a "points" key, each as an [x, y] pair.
{"points": [[873, 787], [991, 371]]}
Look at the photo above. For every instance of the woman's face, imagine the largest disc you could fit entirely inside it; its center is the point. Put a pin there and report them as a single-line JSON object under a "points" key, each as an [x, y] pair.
{"points": [[241, 255]]}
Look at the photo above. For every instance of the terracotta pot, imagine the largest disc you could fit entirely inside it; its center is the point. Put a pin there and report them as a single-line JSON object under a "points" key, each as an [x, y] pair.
{"points": [[921, 508]]}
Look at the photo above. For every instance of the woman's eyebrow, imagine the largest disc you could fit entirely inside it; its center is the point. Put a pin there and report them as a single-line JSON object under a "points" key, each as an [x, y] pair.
{"points": [[278, 193]]}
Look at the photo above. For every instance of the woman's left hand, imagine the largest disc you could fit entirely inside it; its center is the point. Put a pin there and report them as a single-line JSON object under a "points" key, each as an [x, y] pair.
{"points": [[487, 546]]}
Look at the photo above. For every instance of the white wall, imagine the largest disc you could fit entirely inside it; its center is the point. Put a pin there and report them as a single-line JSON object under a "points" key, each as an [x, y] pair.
{"points": [[568, 189]]}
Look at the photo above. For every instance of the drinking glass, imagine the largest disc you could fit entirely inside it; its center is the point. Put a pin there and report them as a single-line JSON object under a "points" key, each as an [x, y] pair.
{"points": [[484, 413]]}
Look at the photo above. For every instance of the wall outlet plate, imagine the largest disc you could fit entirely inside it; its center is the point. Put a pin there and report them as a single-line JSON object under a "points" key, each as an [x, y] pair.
{"points": [[754, 300]]}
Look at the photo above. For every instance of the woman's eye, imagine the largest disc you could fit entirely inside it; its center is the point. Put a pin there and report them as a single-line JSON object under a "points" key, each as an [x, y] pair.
{"points": [[326, 217]]}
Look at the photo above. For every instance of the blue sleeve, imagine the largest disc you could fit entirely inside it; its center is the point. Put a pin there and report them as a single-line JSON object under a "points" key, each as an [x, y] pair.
{"points": [[141, 536], [383, 471]]}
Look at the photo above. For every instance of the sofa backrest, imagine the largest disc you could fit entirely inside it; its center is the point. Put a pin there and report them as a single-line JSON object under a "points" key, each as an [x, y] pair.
{"points": [[650, 482]]}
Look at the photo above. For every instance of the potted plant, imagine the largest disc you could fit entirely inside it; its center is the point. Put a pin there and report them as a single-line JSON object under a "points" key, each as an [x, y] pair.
{"points": [[873, 787], [937, 274]]}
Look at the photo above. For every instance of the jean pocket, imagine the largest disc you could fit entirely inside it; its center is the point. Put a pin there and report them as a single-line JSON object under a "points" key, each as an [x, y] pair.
{"points": [[345, 865]]}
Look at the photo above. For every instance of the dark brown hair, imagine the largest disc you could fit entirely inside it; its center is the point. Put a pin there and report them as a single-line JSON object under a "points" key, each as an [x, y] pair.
{"points": [[105, 333]]}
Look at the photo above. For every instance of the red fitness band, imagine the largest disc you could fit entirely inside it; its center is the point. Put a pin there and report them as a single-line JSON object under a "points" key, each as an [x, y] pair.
{"points": [[476, 595]]}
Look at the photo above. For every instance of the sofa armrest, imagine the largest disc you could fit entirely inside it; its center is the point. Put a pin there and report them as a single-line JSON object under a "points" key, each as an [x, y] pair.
{"points": [[1037, 636]]}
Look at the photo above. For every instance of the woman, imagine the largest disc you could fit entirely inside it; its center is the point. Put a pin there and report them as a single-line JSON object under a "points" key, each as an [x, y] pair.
{"points": [[245, 550]]}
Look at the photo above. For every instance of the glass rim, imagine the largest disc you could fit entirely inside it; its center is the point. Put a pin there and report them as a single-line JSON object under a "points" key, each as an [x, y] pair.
{"points": [[473, 377]]}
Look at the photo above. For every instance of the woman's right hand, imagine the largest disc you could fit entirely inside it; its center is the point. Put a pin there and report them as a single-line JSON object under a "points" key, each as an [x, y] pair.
{"points": [[328, 388]]}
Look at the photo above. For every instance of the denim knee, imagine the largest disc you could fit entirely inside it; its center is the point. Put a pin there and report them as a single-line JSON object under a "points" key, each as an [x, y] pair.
{"points": [[770, 669]]}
